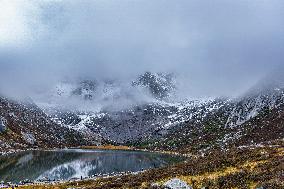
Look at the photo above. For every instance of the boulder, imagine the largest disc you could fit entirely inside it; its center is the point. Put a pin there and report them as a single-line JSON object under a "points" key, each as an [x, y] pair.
{"points": [[3, 124], [29, 137], [176, 184]]}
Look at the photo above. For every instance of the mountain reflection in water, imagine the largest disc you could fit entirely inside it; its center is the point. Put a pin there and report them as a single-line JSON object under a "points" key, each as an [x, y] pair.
{"points": [[68, 164]]}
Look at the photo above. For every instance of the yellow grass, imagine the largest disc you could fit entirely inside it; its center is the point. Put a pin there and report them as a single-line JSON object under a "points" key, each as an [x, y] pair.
{"points": [[107, 147], [198, 180]]}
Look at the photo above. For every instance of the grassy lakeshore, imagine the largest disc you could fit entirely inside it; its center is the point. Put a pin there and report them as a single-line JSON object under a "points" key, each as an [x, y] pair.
{"points": [[247, 167], [107, 147]]}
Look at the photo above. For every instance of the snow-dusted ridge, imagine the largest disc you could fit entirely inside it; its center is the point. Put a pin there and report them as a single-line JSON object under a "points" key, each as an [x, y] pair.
{"points": [[154, 119], [111, 111], [250, 106]]}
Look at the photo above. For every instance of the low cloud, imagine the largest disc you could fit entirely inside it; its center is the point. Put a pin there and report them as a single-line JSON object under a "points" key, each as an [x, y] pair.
{"points": [[214, 47]]}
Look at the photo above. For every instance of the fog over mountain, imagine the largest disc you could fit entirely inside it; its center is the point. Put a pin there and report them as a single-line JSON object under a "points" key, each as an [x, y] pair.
{"points": [[219, 48]]}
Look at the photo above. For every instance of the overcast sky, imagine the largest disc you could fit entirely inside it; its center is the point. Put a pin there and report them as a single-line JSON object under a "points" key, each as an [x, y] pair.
{"points": [[216, 47]]}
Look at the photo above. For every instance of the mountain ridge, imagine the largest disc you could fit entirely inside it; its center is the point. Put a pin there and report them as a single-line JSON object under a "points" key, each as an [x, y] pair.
{"points": [[156, 123]]}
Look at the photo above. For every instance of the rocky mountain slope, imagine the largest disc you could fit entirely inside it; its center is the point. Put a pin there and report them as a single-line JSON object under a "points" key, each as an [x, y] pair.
{"points": [[154, 121], [249, 121], [165, 123], [24, 125]]}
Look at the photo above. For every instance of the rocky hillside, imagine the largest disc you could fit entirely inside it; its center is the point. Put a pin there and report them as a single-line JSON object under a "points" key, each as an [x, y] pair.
{"points": [[158, 122], [198, 124], [248, 121], [24, 125], [164, 122], [138, 123]]}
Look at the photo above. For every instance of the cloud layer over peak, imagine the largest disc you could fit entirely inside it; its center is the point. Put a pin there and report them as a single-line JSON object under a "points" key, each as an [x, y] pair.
{"points": [[215, 47]]}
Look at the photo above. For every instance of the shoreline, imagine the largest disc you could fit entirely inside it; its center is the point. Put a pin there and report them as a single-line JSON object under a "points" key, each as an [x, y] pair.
{"points": [[91, 178], [100, 147]]}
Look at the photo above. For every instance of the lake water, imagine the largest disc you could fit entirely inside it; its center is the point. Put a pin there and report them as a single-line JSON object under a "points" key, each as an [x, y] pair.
{"points": [[70, 164]]}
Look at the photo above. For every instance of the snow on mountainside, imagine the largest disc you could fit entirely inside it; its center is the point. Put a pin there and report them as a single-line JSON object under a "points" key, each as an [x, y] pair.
{"points": [[139, 122], [25, 125], [268, 94], [250, 106], [157, 115], [251, 120], [111, 111], [134, 120]]}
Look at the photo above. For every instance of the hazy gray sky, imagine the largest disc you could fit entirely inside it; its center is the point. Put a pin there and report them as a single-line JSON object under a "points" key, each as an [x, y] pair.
{"points": [[217, 47]]}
